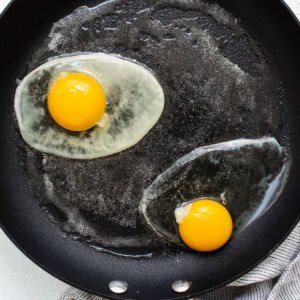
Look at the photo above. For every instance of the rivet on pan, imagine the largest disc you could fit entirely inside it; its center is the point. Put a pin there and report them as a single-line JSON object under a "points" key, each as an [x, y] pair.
{"points": [[118, 286], [181, 286]]}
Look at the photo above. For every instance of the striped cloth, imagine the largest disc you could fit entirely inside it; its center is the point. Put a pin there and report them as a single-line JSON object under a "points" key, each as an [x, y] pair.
{"points": [[276, 278]]}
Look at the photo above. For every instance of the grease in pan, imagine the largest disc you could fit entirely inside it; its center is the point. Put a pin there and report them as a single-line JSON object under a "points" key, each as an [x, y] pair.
{"points": [[215, 91]]}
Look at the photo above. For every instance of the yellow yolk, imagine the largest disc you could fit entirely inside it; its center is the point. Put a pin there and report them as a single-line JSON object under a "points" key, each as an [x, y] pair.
{"points": [[206, 225], [76, 101]]}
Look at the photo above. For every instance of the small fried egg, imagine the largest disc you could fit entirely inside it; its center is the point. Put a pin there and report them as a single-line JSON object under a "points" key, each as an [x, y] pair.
{"points": [[87, 106], [233, 183], [204, 225]]}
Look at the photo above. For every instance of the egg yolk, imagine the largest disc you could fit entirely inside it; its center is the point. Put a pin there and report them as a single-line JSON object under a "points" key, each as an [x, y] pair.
{"points": [[206, 226], [76, 101]]}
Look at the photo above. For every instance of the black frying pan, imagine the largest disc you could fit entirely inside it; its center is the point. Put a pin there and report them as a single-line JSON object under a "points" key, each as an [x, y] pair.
{"points": [[24, 25]]}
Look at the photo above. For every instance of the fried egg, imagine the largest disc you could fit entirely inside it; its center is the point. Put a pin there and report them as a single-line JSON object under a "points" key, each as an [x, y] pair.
{"points": [[87, 106], [243, 177]]}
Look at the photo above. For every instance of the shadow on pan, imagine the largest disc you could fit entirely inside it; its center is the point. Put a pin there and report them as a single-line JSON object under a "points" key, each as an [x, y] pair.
{"points": [[269, 55]]}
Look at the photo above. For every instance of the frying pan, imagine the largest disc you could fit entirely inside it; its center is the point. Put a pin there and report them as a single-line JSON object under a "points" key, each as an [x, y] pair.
{"points": [[23, 26]]}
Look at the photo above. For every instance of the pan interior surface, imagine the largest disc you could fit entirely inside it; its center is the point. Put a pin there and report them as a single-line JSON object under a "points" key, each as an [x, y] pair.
{"points": [[224, 77], [218, 85]]}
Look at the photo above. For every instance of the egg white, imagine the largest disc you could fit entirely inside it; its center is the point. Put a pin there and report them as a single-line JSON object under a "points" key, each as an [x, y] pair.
{"points": [[135, 102], [167, 196]]}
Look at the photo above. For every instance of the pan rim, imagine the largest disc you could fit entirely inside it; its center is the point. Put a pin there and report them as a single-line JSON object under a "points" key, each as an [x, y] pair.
{"points": [[291, 13]]}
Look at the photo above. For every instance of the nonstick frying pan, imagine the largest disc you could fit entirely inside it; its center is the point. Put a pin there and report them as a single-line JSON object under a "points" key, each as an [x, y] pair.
{"points": [[23, 26]]}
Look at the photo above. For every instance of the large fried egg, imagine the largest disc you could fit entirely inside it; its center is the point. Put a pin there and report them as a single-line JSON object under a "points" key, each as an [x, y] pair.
{"points": [[126, 96]]}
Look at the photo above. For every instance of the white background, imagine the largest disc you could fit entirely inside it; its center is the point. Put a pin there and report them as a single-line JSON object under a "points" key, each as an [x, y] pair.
{"points": [[20, 279]]}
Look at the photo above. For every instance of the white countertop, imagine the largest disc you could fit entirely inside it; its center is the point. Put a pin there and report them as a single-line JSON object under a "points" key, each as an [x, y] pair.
{"points": [[20, 279]]}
